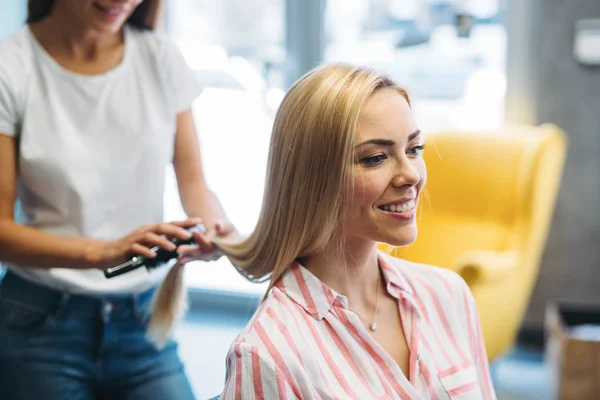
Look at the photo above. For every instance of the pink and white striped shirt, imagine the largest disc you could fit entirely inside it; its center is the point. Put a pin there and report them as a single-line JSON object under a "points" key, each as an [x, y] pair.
{"points": [[304, 342]]}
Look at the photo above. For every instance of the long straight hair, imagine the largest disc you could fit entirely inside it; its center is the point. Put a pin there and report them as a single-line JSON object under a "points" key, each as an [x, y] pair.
{"points": [[306, 189], [146, 16]]}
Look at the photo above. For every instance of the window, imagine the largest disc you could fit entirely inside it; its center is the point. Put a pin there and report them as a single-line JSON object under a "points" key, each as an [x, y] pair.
{"points": [[449, 54], [235, 47], [12, 16]]}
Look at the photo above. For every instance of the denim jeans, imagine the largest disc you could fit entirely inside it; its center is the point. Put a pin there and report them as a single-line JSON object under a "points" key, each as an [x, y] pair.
{"points": [[59, 346]]}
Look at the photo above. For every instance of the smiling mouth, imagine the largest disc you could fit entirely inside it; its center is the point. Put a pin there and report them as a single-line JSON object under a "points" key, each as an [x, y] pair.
{"points": [[109, 10], [399, 208]]}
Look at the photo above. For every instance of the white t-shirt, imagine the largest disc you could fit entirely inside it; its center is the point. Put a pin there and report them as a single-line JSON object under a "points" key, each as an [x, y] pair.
{"points": [[93, 148]]}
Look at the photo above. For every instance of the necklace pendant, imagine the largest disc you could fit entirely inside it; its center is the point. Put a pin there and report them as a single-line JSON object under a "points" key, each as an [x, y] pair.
{"points": [[373, 326]]}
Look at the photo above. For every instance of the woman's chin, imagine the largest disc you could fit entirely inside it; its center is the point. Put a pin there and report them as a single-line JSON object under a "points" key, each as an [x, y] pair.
{"points": [[399, 243], [401, 240]]}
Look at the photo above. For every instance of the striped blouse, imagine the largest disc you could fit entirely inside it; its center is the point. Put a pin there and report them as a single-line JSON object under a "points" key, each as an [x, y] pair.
{"points": [[304, 342]]}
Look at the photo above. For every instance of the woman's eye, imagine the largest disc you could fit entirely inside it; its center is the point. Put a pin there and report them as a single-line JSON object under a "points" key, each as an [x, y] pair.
{"points": [[416, 150], [373, 160]]}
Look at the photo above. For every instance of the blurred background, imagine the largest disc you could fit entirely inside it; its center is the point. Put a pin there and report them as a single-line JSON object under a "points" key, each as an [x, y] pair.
{"points": [[470, 65]]}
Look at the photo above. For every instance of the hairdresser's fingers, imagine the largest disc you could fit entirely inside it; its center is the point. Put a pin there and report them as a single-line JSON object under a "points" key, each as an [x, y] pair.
{"points": [[186, 249], [224, 228], [139, 249], [151, 239], [203, 242], [169, 230]]}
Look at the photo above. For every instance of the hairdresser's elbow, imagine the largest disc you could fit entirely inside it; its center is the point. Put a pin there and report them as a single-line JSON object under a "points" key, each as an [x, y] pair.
{"points": [[7, 226]]}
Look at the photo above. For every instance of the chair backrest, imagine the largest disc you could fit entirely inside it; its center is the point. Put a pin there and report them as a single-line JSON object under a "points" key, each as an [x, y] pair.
{"points": [[488, 191]]}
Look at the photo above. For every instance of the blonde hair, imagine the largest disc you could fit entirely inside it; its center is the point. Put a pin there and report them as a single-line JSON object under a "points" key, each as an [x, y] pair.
{"points": [[310, 155]]}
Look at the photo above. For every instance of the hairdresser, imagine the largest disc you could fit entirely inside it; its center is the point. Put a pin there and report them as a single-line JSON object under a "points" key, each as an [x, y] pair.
{"points": [[94, 104]]}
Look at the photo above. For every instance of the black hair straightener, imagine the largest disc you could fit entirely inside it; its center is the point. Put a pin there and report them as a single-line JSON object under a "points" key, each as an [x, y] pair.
{"points": [[162, 256]]}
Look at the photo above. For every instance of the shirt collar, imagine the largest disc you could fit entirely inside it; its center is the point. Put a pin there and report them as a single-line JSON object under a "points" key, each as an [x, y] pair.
{"points": [[392, 273], [317, 299]]}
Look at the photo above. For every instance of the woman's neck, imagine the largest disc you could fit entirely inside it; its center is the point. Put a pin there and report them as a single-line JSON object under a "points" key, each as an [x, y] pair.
{"points": [[64, 36], [351, 269]]}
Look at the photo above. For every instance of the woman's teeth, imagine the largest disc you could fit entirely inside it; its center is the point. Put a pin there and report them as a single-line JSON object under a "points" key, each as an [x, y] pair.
{"points": [[399, 208], [113, 11]]}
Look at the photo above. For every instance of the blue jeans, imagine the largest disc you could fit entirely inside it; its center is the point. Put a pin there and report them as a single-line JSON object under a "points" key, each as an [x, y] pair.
{"points": [[59, 346]]}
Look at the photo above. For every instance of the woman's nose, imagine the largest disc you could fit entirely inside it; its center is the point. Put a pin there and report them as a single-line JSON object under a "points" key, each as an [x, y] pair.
{"points": [[406, 175]]}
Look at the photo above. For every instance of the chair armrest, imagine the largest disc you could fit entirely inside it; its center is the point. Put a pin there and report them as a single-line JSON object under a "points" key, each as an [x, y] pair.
{"points": [[486, 266]]}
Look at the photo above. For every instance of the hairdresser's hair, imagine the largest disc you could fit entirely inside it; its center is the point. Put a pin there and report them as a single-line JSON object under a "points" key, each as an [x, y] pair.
{"points": [[306, 191], [146, 16]]}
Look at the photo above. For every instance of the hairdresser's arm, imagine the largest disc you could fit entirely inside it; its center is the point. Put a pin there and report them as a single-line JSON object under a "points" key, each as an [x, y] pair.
{"points": [[27, 246], [196, 198]]}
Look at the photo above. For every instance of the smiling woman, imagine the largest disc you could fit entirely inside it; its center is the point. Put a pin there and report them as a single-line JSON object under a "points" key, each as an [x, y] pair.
{"points": [[340, 319]]}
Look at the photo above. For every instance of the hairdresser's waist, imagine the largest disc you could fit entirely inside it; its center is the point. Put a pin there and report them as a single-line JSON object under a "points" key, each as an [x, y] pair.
{"points": [[17, 289], [91, 282]]}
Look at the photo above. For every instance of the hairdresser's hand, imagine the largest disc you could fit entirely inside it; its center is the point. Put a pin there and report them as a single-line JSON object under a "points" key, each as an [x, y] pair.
{"points": [[110, 253], [204, 250]]}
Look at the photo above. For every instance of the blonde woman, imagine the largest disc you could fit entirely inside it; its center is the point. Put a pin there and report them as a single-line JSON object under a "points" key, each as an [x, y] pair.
{"points": [[342, 320]]}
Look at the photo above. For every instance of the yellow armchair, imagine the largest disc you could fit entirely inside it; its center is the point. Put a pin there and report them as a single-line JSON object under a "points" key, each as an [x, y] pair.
{"points": [[486, 214]]}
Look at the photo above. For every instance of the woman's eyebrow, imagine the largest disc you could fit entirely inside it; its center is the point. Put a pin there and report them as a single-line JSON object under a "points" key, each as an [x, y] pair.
{"points": [[414, 135], [380, 142], [387, 142]]}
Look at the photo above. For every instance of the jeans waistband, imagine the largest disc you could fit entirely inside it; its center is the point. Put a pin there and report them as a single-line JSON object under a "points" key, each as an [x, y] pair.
{"points": [[40, 297]]}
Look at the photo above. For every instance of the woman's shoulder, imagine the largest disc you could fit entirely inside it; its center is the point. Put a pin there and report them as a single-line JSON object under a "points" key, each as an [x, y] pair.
{"points": [[16, 42], [16, 53], [271, 345], [16, 66], [264, 328]]}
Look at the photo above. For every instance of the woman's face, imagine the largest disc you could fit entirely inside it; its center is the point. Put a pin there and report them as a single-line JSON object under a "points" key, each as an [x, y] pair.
{"points": [[388, 172], [106, 16]]}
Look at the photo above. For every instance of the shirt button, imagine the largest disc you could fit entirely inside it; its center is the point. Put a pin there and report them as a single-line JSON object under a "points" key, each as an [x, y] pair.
{"points": [[108, 307]]}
